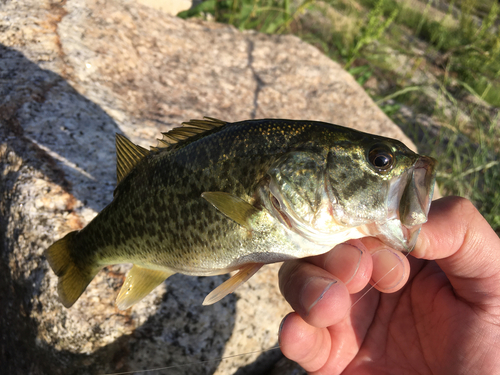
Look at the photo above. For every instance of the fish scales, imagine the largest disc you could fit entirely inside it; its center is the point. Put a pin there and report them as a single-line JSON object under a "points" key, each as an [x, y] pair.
{"points": [[166, 188], [241, 193]]}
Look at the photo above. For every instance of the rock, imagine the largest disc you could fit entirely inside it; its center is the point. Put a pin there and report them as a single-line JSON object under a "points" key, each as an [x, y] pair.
{"points": [[72, 74], [171, 7]]}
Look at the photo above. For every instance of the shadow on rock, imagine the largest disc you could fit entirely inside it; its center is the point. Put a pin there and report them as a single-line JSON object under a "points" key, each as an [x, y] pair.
{"points": [[57, 159], [69, 134]]}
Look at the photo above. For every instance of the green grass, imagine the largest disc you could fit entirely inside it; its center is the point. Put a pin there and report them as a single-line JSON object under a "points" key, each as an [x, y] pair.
{"points": [[472, 51], [451, 75], [267, 16]]}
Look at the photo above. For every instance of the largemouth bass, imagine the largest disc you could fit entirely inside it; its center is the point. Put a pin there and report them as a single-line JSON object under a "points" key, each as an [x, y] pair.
{"points": [[215, 197]]}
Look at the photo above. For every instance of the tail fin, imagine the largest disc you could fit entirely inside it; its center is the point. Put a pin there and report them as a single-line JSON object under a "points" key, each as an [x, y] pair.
{"points": [[73, 279]]}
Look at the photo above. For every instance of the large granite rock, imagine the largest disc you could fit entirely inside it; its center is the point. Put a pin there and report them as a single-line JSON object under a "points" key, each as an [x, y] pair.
{"points": [[171, 7], [72, 74]]}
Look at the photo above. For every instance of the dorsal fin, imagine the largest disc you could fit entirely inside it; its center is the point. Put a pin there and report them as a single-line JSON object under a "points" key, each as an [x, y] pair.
{"points": [[127, 156], [187, 130]]}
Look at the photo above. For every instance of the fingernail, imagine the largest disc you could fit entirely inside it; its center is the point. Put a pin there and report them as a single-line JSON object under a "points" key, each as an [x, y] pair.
{"points": [[419, 243], [420, 247], [344, 261], [387, 265], [281, 327], [309, 295], [357, 263]]}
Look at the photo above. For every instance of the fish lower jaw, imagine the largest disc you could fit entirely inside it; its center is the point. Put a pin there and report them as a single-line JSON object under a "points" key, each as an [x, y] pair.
{"points": [[396, 235]]}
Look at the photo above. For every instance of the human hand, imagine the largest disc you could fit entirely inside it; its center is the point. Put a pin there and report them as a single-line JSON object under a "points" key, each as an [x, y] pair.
{"points": [[441, 316]]}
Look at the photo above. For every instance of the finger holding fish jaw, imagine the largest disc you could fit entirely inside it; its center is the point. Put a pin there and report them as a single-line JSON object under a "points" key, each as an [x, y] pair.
{"points": [[324, 291]]}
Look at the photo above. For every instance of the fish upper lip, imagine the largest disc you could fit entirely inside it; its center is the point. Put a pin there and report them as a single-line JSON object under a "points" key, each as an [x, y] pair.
{"points": [[425, 162]]}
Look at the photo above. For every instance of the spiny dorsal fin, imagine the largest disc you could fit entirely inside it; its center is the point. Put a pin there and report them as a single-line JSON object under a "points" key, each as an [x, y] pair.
{"points": [[187, 130], [127, 156]]}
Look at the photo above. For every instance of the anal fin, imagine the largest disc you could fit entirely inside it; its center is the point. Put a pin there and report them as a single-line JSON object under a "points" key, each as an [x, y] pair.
{"points": [[138, 284], [229, 286]]}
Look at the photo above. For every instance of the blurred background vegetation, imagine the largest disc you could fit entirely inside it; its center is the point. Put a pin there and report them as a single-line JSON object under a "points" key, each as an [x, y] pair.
{"points": [[432, 66]]}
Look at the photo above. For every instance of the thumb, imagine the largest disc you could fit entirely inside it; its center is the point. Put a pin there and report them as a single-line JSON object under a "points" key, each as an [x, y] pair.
{"points": [[464, 246]]}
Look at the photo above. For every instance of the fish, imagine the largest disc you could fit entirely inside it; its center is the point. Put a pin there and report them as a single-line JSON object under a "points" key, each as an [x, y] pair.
{"points": [[214, 197]]}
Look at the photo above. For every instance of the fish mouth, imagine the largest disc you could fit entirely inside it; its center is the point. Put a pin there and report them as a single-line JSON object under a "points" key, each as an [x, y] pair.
{"points": [[417, 195], [414, 205]]}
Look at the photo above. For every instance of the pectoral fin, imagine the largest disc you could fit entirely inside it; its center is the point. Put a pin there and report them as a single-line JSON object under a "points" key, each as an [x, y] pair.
{"points": [[138, 284], [229, 286], [233, 207]]}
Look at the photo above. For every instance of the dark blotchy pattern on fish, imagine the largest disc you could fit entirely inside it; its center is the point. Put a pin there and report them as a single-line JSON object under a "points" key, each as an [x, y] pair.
{"points": [[171, 224], [159, 220]]}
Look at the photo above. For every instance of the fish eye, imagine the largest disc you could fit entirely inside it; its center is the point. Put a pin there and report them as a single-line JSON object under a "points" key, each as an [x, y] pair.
{"points": [[381, 158]]}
